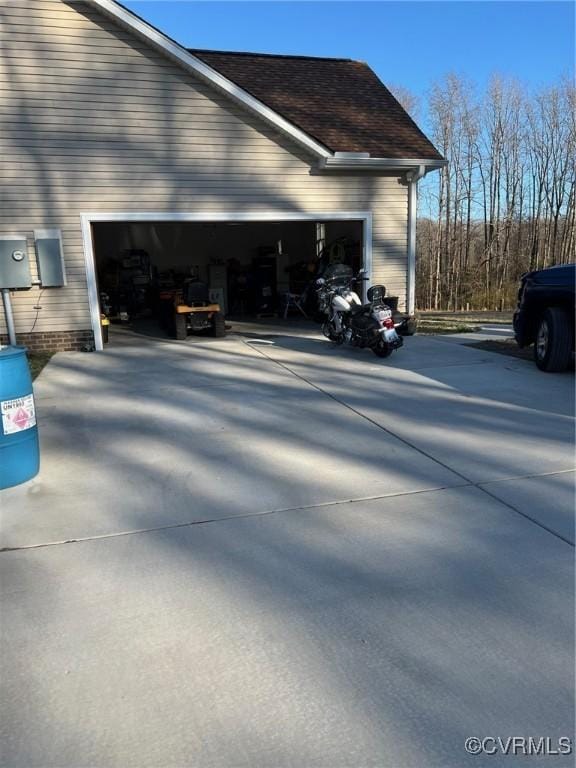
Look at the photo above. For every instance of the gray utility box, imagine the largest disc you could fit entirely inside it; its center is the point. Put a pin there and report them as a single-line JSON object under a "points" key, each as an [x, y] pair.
{"points": [[50, 258], [14, 262]]}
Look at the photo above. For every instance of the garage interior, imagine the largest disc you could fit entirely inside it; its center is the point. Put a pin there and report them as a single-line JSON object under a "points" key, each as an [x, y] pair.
{"points": [[253, 270]]}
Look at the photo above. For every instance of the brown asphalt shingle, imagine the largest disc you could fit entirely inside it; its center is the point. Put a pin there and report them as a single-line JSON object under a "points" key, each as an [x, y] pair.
{"points": [[339, 102]]}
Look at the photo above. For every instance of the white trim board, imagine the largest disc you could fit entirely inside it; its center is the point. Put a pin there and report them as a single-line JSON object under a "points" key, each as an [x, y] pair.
{"points": [[381, 163], [215, 216], [89, 218]]}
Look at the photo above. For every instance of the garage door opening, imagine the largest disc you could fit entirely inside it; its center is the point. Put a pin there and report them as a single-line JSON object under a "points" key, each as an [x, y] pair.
{"points": [[254, 270]]}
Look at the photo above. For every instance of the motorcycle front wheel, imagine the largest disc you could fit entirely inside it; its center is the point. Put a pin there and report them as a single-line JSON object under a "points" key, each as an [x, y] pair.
{"points": [[382, 348], [331, 333]]}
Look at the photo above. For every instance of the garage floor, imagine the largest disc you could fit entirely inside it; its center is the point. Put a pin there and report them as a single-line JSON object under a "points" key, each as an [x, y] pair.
{"points": [[286, 554]]}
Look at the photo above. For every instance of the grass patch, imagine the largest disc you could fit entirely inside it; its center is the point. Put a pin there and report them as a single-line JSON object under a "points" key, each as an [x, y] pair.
{"points": [[475, 317], [431, 327], [504, 347], [432, 322], [37, 361]]}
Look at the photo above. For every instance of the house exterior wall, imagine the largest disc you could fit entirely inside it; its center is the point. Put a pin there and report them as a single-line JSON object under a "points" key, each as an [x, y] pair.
{"points": [[93, 119]]}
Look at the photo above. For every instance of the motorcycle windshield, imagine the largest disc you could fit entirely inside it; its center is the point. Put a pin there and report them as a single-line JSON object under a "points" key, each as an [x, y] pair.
{"points": [[338, 273]]}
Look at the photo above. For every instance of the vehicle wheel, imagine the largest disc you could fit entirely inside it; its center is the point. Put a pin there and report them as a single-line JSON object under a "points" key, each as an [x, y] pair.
{"points": [[218, 325], [331, 333], [180, 329], [382, 349], [553, 345]]}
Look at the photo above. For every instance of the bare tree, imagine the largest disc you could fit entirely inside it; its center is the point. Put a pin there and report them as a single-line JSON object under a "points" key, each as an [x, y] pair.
{"points": [[506, 202], [407, 99]]}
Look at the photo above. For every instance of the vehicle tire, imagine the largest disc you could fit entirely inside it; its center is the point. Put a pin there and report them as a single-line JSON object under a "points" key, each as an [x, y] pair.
{"points": [[382, 349], [553, 343], [180, 329], [330, 332], [218, 325]]}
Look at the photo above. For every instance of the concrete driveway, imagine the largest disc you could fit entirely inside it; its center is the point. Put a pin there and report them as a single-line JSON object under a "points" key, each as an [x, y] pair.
{"points": [[264, 551]]}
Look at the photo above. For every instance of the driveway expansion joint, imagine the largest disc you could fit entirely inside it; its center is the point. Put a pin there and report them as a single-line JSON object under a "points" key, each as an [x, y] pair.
{"points": [[459, 479], [208, 521], [303, 508], [467, 480]]}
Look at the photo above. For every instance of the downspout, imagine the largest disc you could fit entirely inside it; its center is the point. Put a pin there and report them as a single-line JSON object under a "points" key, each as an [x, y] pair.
{"points": [[413, 178]]}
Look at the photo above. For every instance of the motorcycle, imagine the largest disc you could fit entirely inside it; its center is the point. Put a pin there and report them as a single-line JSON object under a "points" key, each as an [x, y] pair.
{"points": [[348, 320]]}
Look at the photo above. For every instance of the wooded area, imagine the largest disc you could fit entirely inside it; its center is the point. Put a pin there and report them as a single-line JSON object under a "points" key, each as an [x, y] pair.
{"points": [[505, 203]]}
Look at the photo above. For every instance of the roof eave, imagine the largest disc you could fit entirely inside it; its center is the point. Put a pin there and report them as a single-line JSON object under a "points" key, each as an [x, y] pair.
{"points": [[381, 163], [327, 159], [198, 67]]}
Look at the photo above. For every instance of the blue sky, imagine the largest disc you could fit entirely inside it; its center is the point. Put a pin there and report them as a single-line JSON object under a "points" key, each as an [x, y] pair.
{"points": [[406, 43]]}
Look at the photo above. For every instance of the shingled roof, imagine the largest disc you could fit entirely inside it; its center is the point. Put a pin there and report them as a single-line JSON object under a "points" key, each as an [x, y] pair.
{"points": [[339, 102]]}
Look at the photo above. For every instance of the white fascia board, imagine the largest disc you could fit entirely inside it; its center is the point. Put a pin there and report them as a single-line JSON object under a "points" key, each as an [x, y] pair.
{"points": [[193, 64], [379, 163]]}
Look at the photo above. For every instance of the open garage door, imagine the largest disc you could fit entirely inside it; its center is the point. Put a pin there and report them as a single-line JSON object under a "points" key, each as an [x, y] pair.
{"points": [[240, 270]]}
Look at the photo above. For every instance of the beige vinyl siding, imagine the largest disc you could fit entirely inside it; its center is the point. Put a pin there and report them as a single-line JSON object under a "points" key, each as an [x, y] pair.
{"points": [[92, 119]]}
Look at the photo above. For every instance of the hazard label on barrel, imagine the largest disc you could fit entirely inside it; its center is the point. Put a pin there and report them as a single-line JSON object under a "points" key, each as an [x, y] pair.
{"points": [[17, 414]]}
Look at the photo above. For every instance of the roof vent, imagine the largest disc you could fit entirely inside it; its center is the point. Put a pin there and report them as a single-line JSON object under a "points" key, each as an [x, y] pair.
{"points": [[352, 155]]}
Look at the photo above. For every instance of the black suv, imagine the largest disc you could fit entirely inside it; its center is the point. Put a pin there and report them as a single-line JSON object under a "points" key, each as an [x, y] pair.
{"points": [[545, 315]]}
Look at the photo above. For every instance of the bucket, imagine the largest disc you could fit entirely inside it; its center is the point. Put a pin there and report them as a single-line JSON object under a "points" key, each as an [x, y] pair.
{"points": [[105, 324], [19, 450]]}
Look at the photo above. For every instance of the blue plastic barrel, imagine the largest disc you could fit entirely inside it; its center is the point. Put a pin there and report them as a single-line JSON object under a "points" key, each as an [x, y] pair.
{"points": [[19, 451]]}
